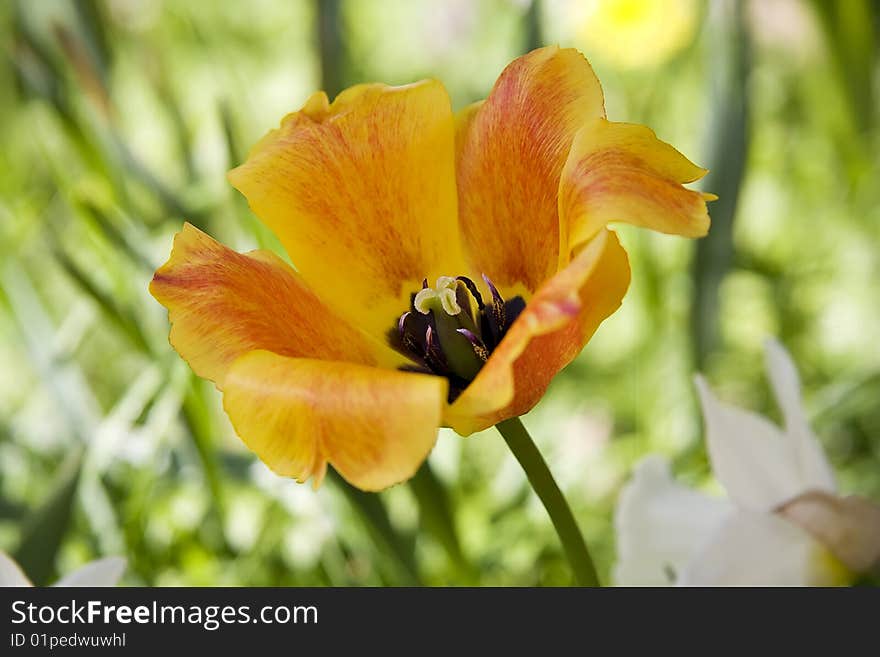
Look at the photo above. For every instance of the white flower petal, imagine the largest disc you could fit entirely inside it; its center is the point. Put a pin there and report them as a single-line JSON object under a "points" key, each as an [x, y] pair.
{"points": [[815, 471], [660, 524], [760, 549], [103, 572], [784, 379], [749, 455], [11, 573], [848, 526]]}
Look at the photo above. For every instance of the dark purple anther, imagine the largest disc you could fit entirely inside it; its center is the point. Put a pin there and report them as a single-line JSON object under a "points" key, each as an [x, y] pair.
{"points": [[433, 353], [479, 348], [401, 323], [496, 315], [496, 297], [418, 334], [472, 288], [411, 333]]}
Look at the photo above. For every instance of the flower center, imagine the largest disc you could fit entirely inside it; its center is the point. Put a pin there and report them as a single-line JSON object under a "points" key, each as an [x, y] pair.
{"points": [[449, 331]]}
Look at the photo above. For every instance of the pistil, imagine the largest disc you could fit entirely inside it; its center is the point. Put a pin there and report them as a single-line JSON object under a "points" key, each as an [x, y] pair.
{"points": [[449, 330]]}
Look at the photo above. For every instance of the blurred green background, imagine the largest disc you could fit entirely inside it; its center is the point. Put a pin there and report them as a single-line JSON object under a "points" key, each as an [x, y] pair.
{"points": [[119, 119]]}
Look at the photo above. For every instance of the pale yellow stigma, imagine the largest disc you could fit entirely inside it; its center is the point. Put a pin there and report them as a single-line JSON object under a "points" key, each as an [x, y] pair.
{"points": [[442, 294]]}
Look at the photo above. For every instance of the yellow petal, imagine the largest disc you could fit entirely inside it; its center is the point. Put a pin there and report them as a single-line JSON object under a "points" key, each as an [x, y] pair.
{"points": [[374, 426], [622, 172], [223, 304], [510, 151], [555, 325], [361, 192]]}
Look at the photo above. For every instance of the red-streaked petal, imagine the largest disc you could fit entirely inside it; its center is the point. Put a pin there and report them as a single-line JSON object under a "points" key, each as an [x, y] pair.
{"points": [[622, 172], [222, 304], [374, 426], [361, 192], [555, 325], [510, 151]]}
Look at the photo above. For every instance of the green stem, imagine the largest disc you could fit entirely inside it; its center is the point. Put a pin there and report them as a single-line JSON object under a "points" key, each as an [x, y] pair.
{"points": [[525, 451]]}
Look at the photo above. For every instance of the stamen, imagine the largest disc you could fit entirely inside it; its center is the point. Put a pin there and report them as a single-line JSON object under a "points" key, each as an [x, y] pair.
{"points": [[401, 323], [472, 288], [446, 335], [429, 340], [495, 295], [497, 303], [433, 353], [479, 348], [407, 335], [494, 317]]}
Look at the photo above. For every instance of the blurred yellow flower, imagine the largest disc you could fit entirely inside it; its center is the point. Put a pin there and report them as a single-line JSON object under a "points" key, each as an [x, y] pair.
{"points": [[352, 359], [636, 33]]}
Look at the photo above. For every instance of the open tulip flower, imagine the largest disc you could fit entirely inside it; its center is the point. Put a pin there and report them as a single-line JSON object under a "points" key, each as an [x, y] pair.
{"points": [[782, 524], [445, 266]]}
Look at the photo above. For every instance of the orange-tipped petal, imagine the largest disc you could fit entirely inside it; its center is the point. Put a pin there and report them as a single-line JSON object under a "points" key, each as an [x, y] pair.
{"points": [[361, 193], [222, 304], [622, 172], [374, 426], [510, 151], [555, 325]]}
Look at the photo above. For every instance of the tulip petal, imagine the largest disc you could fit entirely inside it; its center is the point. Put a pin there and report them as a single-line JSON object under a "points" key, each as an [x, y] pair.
{"points": [[750, 456], [552, 329], [361, 193], [223, 304], [102, 572], [760, 549], [807, 454], [659, 525], [374, 426], [622, 172], [510, 151], [11, 573]]}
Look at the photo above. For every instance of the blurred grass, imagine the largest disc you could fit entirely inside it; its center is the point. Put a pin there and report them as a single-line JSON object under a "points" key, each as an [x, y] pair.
{"points": [[120, 120], [726, 159]]}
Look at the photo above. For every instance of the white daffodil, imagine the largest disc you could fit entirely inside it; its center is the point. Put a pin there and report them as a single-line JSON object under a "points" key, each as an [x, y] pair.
{"points": [[102, 572], [782, 523]]}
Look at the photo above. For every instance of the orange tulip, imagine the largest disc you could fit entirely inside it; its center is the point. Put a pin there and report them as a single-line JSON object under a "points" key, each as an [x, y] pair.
{"points": [[352, 358]]}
